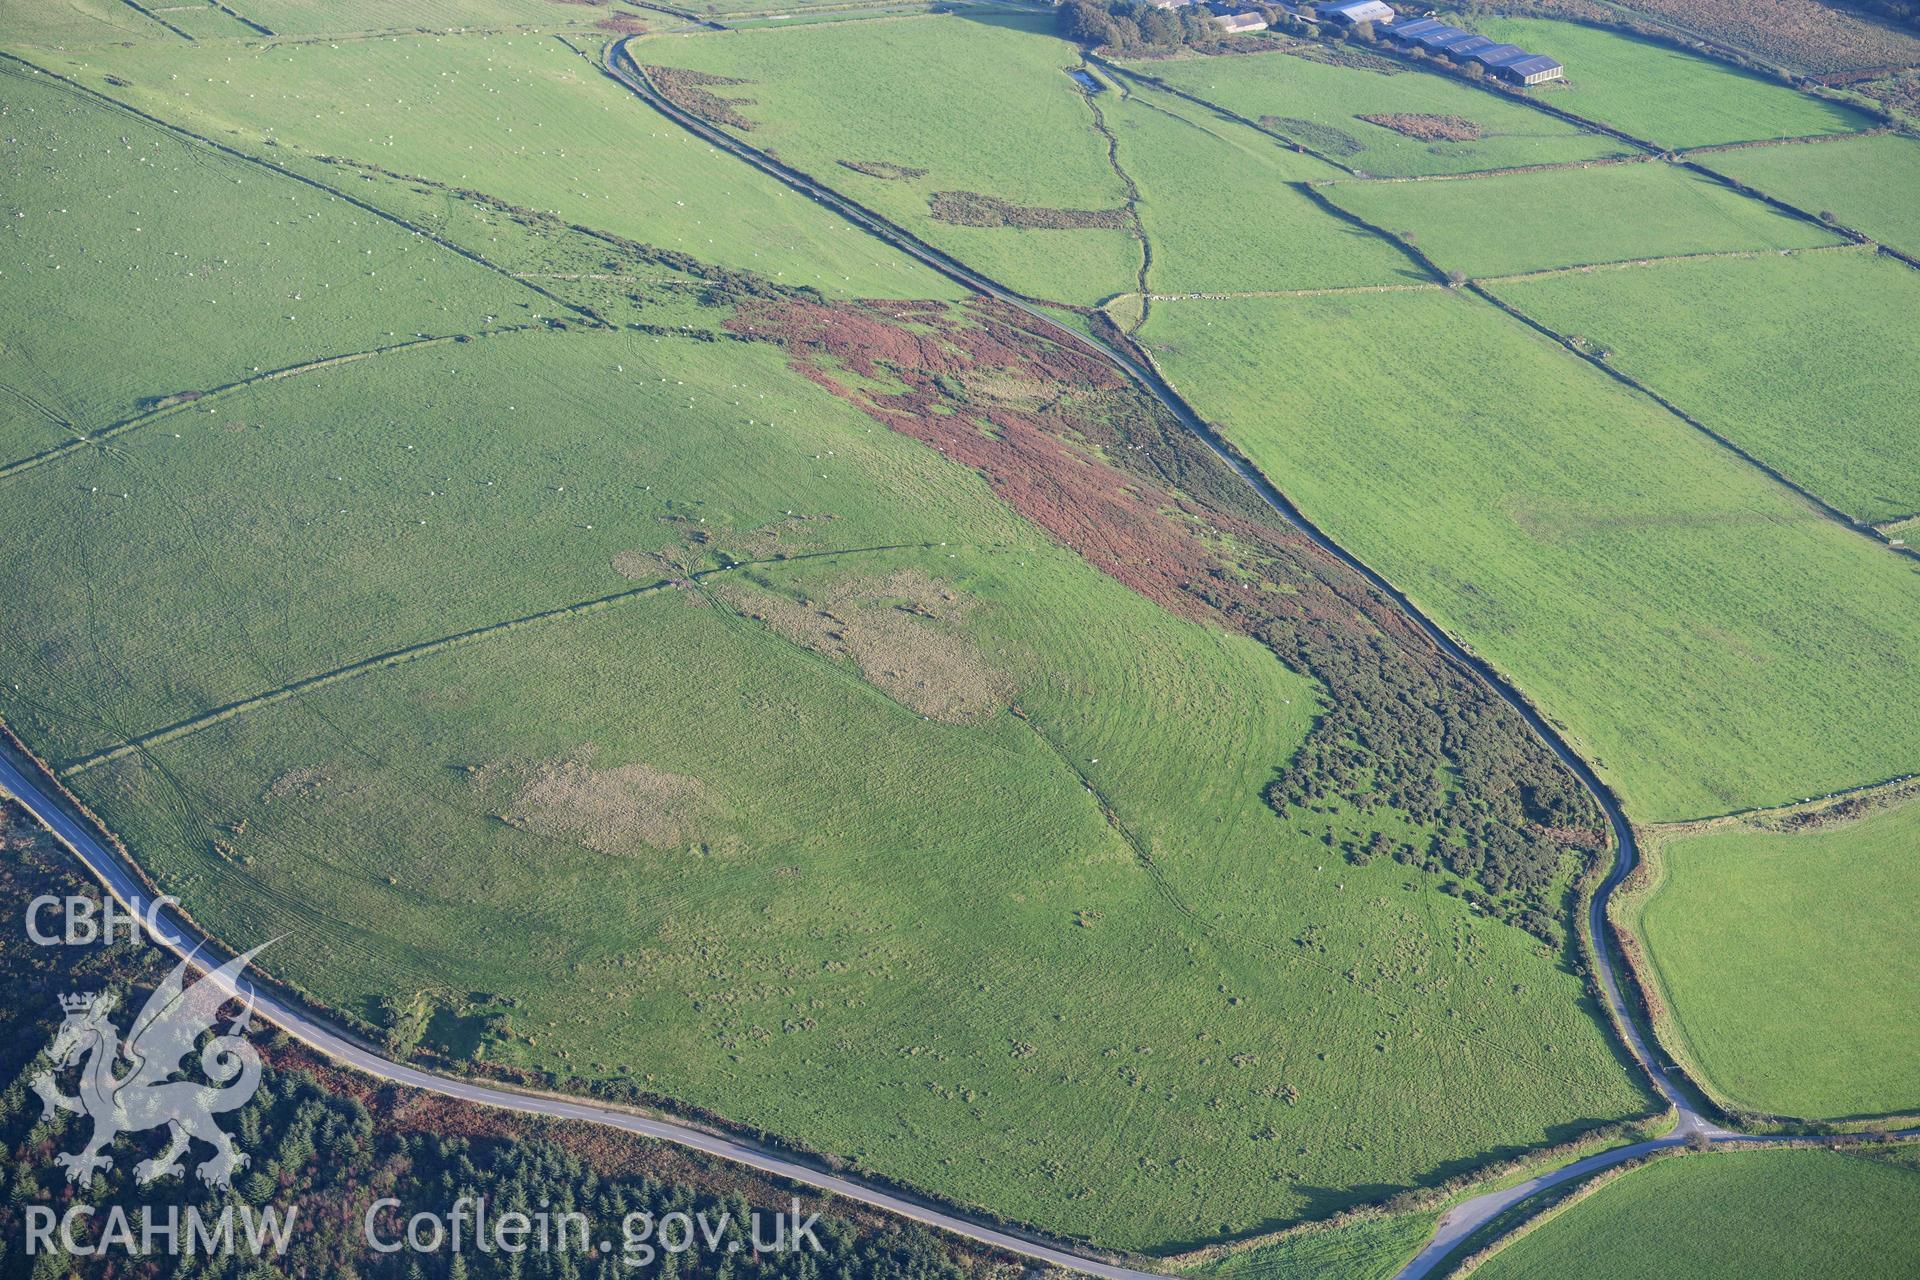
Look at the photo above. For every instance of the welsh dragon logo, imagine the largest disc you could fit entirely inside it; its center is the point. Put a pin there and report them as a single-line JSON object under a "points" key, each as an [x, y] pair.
{"points": [[143, 1096]]}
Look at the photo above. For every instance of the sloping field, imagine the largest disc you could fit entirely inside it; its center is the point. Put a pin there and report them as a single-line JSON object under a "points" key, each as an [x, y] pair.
{"points": [[1694, 625], [1260, 231], [521, 118], [1322, 105], [121, 289], [1869, 184], [1665, 95], [1570, 217], [204, 21], [778, 843], [465, 485], [1742, 1215], [938, 104], [76, 22], [1807, 362], [1782, 952], [346, 17], [1805, 35], [1372, 1249]]}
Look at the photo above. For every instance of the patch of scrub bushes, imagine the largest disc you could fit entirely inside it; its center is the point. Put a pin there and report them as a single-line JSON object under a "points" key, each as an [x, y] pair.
{"points": [[883, 169], [1428, 128], [689, 90], [971, 209], [1323, 138]]}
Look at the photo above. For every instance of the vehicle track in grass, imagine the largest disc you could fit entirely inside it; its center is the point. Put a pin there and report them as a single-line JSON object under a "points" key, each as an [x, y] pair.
{"points": [[1463, 1219]]}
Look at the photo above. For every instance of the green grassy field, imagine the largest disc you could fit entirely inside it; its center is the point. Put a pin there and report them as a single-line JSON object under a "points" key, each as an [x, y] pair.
{"points": [[122, 289], [77, 22], [1570, 217], [521, 118], [1260, 232], [1665, 95], [1783, 962], [890, 935], [1293, 89], [1749, 1215], [1869, 184], [1693, 625], [1373, 1249], [345, 17], [1803, 361], [980, 105]]}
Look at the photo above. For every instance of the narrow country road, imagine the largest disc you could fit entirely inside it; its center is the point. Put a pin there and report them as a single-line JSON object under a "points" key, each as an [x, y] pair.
{"points": [[39, 796], [620, 65], [1469, 1215]]}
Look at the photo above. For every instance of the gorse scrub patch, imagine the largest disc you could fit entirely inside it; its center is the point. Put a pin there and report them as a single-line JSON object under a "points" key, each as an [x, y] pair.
{"points": [[691, 91], [1349, 101], [1428, 128], [971, 209], [1323, 138], [884, 169]]}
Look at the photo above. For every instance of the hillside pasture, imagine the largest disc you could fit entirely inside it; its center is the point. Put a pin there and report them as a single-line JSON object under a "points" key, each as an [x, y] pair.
{"points": [[521, 118], [1735, 1215], [123, 290], [1709, 641], [1368, 1249], [1664, 95], [1804, 361], [947, 104], [849, 896], [1802, 35], [356, 17], [61, 22], [1569, 217], [1261, 231], [1782, 957], [1288, 92], [1869, 184]]}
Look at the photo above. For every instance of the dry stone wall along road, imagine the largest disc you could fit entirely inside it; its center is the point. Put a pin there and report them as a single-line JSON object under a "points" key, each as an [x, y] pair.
{"points": [[1469, 1215], [40, 796]]}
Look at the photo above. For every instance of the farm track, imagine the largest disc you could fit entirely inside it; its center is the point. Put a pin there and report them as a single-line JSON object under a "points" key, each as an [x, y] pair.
{"points": [[430, 648], [1470, 1215], [118, 872]]}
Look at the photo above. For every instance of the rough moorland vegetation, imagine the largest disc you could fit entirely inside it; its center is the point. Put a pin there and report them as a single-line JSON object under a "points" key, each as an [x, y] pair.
{"points": [[327, 1143], [1403, 729], [971, 209]]}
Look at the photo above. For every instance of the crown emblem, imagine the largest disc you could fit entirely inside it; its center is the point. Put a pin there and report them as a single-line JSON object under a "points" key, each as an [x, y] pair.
{"points": [[78, 1003]]}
